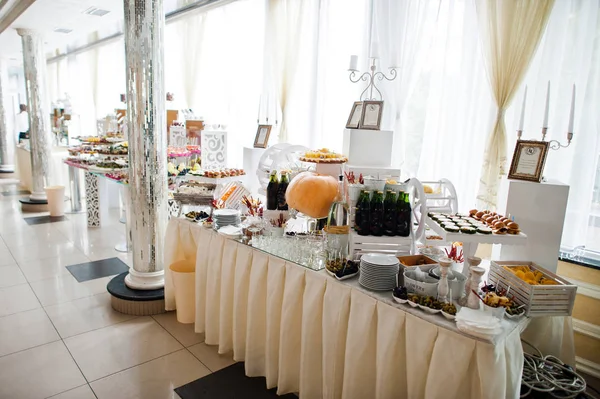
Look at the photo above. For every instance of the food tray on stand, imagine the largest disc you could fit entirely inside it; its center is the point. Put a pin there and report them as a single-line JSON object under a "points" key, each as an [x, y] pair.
{"points": [[471, 241], [539, 300]]}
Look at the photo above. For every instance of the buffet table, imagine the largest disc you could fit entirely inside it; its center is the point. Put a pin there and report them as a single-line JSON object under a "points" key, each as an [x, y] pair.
{"points": [[309, 333]]}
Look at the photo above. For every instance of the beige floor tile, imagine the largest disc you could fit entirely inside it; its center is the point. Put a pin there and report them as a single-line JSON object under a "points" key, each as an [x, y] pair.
{"points": [[26, 253], [183, 333], [6, 258], [99, 253], [17, 298], [82, 392], [209, 355], [65, 288], [33, 237], [11, 275], [153, 380], [38, 372], [25, 330], [111, 349], [84, 314], [36, 270]]}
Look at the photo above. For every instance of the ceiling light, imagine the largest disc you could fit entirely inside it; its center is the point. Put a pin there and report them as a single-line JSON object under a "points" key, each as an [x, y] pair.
{"points": [[97, 12], [63, 30]]}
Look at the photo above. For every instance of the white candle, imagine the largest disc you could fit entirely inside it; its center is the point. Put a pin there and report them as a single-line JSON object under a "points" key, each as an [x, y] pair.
{"points": [[522, 120], [375, 50], [259, 104], [353, 63], [572, 114], [545, 124], [394, 59]]}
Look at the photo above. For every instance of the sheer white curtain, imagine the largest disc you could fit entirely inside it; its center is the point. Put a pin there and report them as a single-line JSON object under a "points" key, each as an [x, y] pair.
{"points": [[450, 105], [569, 53], [402, 28], [227, 71], [510, 31]]}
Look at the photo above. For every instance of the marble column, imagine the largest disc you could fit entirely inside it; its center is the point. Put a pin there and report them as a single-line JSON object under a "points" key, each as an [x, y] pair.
{"points": [[6, 138], [147, 134], [34, 64]]}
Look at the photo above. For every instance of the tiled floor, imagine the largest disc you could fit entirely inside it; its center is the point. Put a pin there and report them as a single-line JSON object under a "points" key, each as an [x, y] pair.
{"points": [[60, 338]]}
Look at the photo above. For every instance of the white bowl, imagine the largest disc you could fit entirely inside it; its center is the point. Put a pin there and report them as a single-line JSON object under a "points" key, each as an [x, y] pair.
{"points": [[420, 287], [431, 311], [414, 305]]}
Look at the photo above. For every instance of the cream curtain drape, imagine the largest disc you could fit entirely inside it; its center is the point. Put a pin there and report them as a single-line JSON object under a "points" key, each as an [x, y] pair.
{"points": [[285, 22], [510, 32], [191, 34]]}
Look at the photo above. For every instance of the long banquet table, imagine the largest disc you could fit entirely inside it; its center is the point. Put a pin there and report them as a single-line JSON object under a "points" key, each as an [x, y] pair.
{"points": [[309, 333]]}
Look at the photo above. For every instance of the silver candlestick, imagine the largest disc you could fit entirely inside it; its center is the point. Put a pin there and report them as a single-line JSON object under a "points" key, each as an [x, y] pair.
{"points": [[555, 144], [370, 77]]}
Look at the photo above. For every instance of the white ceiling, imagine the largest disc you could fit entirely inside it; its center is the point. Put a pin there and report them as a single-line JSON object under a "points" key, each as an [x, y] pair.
{"points": [[46, 15]]}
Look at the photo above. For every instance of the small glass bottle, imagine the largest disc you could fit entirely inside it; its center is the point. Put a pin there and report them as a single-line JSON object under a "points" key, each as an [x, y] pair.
{"points": [[377, 212], [389, 216], [338, 230], [362, 217]]}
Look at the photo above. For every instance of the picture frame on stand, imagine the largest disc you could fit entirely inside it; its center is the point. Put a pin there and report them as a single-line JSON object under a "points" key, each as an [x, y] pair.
{"points": [[528, 160], [371, 115], [355, 115], [262, 136]]}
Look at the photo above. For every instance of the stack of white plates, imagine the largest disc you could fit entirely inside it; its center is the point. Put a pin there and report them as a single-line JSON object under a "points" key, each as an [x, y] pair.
{"points": [[378, 272], [226, 217], [477, 323]]}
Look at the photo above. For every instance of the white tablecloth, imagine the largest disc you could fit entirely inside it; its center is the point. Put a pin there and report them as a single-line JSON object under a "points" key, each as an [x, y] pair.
{"points": [[308, 333]]}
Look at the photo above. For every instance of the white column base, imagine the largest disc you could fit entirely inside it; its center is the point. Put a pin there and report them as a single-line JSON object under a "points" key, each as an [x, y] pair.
{"points": [[7, 168], [122, 247], [38, 196], [145, 281]]}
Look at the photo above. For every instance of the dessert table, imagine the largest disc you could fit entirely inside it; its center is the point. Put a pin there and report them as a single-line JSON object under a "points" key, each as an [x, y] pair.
{"points": [[309, 333]]}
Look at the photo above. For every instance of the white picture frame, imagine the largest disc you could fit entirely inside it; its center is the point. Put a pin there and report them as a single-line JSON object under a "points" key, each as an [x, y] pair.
{"points": [[371, 115]]}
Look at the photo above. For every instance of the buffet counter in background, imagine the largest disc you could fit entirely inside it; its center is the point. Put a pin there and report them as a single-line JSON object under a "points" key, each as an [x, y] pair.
{"points": [[58, 174]]}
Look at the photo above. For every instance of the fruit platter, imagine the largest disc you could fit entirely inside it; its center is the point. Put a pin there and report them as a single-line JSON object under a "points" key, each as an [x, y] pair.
{"points": [[323, 155]]}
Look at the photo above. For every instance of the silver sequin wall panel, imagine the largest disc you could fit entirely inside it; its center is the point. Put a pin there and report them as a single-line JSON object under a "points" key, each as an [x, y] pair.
{"points": [[34, 64], [146, 118]]}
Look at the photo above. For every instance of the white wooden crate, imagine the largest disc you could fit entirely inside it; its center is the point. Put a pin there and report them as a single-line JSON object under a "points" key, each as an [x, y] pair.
{"points": [[391, 245], [539, 300]]}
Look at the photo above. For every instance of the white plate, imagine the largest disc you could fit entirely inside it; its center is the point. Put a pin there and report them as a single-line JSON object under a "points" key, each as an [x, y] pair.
{"points": [[346, 277], [411, 303], [403, 301], [448, 316], [380, 259], [226, 212], [375, 288], [432, 311]]}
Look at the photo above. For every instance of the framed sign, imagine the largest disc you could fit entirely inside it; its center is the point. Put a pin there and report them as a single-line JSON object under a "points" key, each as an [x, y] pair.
{"points": [[262, 136], [528, 160], [177, 136], [371, 115], [355, 116]]}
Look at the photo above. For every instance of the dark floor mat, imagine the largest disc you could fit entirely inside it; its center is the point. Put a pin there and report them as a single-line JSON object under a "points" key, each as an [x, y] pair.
{"points": [[44, 219], [229, 383], [97, 269]]}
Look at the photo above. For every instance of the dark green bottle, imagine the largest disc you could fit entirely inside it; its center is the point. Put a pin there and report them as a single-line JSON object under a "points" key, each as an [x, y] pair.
{"points": [[403, 215], [272, 191], [377, 212], [389, 217], [362, 217], [281, 189]]}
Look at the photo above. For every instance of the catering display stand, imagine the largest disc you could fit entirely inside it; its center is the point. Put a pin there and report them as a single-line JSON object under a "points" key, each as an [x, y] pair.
{"points": [[540, 210], [471, 241]]}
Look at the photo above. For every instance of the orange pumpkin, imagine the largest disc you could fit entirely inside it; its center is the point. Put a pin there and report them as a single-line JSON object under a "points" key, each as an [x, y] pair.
{"points": [[312, 194]]}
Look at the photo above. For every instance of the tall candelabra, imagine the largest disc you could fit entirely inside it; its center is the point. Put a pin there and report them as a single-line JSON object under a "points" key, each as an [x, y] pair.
{"points": [[370, 77]]}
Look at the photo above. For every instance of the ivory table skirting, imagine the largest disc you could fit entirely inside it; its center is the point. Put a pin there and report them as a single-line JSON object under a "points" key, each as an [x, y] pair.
{"points": [[309, 333]]}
